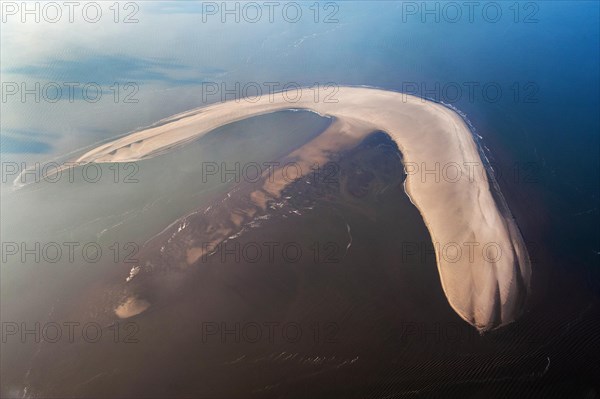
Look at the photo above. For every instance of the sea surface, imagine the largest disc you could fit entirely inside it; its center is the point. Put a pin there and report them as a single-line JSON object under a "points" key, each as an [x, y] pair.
{"points": [[373, 326]]}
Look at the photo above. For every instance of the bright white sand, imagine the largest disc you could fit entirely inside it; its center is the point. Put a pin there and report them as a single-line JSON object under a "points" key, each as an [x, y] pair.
{"points": [[484, 289]]}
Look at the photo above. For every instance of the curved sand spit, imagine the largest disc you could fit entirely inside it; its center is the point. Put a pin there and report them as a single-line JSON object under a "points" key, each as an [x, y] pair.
{"points": [[482, 260]]}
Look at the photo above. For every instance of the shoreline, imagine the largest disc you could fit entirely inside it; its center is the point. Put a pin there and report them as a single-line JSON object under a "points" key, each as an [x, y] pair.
{"points": [[487, 294]]}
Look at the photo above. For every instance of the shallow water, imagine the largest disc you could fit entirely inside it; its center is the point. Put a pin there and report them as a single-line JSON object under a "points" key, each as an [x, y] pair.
{"points": [[357, 300]]}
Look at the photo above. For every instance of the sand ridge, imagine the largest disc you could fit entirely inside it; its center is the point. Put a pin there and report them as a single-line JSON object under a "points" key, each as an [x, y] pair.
{"points": [[482, 260]]}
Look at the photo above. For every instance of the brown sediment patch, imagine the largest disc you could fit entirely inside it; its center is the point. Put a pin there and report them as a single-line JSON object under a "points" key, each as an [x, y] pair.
{"points": [[131, 307]]}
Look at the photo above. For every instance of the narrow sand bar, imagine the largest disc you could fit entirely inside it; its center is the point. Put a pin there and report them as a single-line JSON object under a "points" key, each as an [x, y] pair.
{"points": [[486, 285]]}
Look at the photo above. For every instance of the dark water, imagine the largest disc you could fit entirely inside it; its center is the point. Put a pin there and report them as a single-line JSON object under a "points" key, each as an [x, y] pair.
{"points": [[358, 312], [350, 302], [125, 214], [545, 149]]}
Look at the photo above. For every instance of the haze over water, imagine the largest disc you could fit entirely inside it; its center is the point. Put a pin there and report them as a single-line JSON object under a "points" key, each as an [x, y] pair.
{"points": [[541, 132]]}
